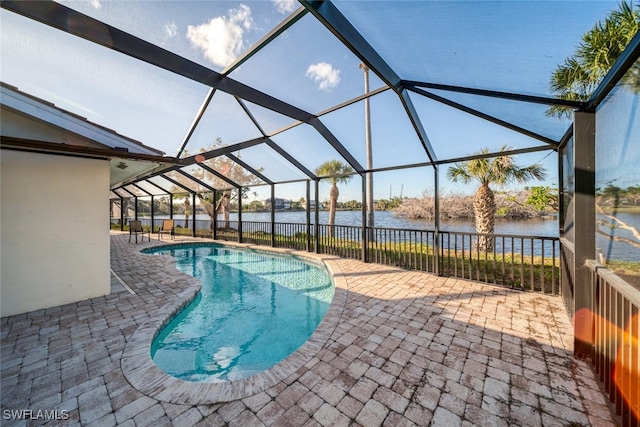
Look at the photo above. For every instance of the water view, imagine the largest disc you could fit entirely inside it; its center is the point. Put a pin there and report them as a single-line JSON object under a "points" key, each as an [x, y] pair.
{"points": [[545, 227]]}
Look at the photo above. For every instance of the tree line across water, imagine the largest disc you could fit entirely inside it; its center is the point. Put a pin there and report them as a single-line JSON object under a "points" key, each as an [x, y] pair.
{"points": [[531, 202]]}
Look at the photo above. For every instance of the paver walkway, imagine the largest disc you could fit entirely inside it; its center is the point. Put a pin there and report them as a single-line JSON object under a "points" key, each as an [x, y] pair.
{"points": [[408, 349]]}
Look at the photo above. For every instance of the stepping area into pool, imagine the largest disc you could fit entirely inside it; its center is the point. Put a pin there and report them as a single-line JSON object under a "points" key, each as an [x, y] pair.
{"points": [[396, 348]]}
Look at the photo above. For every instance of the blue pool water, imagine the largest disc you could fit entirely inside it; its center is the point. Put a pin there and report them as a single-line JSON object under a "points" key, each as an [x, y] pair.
{"points": [[254, 309]]}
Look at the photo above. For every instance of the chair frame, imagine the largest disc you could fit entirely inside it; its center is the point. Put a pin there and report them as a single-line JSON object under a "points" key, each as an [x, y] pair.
{"points": [[167, 229], [135, 227]]}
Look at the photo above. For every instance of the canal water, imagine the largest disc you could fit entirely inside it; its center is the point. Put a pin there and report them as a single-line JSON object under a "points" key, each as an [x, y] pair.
{"points": [[543, 227]]}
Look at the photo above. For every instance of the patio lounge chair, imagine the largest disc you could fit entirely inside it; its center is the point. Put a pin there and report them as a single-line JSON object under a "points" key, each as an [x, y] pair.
{"points": [[167, 227], [135, 227]]}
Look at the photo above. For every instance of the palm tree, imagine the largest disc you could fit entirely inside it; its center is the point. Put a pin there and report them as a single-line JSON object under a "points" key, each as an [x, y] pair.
{"points": [[581, 73], [498, 170], [187, 207], [336, 172]]}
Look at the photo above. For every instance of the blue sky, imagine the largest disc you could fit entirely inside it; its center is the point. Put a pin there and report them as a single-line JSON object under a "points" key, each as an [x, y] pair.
{"points": [[309, 68]]}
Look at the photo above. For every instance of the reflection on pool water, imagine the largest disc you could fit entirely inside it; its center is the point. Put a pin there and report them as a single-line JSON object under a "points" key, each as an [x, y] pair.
{"points": [[254, 309]]}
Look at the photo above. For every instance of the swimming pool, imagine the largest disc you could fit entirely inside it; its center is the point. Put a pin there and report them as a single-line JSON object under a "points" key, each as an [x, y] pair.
{"points": [[254, 309]]}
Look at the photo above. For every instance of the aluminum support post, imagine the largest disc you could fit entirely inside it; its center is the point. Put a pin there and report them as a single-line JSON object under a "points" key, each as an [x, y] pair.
{"points": [[308, 215], [214, 232], [584, 216], [152, 215], [121, 213], [239, 189], [193, 214], [273, 216], [316, 243], [364, 218], [436, 221]]}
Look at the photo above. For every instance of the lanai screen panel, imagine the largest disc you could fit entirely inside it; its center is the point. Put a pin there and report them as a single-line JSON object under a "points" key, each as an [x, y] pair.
{"points": [[190, 28], [271, 164], [116, 91], [241, 175], [269, 121], [114, 196], [121, 193], [223, 166], [506, 46], [304, 143], [395, 141], [348, 125], [136, 191], [306, 67], [531, 117], [153, 190], [617, 178], [185, 181], [456, 134], [224, 122], [166, 185], [510, 46]]}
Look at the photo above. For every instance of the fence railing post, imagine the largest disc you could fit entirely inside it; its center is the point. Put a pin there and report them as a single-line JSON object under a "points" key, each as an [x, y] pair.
{"points": [[152, 216], [316, 243], [122, 213], [516, 260], [363, 238], [193, 214], [308, 215], [273, 216], [436, 222], [239, 214], [214, 223], [584, 217]]}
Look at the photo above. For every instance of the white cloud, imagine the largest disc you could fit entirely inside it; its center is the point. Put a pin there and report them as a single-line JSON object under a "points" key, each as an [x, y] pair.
{"points": [[96, 4], [170, 29], [324, 74], [220, 40], [285, 6]]}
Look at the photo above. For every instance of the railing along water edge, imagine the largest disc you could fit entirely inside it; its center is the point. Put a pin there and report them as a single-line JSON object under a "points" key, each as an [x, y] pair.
{"points": [[615, 354], [517, 261], [531, 263]]}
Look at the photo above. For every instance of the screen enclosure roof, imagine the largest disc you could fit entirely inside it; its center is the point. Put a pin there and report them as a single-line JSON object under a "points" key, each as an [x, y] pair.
{"points": [[264, 92]]}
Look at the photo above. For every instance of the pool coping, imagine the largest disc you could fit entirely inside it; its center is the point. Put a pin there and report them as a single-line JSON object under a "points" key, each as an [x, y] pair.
{"points": [[145, 376]]}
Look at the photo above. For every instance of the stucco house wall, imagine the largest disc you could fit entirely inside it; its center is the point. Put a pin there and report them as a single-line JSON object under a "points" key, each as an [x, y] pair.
{"points": [[54, 230]]}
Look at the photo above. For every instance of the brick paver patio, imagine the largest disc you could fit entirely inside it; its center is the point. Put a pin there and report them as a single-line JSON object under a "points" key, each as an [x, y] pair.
{"points": [[401, 348]]}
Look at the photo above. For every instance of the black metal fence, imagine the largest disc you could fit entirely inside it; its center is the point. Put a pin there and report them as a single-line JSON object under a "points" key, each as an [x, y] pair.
{"points": [[615, 333], [522, 262], [411, 249]]}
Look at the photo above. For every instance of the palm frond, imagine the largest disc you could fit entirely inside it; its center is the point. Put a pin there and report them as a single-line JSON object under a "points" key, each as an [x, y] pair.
{"points": [[580, 74], [335, 171], [499, 170], [459, 172]]}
